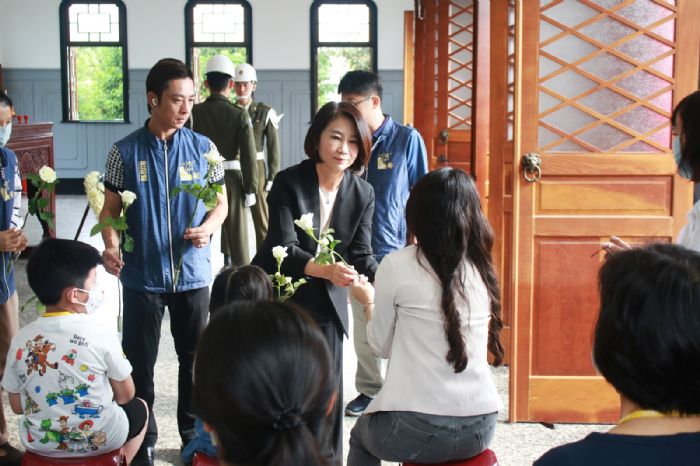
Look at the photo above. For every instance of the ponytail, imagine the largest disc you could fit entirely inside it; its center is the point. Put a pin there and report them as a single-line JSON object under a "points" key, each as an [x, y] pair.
{"points": [[263, 382]]}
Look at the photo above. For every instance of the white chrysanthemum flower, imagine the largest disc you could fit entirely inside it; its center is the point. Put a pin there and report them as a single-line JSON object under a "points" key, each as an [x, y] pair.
{"points": [[128, 198], [279, 252], [306, 222], [47, 174], [213, 157], [95, 191]]}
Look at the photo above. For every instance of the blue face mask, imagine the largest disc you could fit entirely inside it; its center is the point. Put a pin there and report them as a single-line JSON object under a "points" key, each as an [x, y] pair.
{"points": [[684, 168], [5, 132]]}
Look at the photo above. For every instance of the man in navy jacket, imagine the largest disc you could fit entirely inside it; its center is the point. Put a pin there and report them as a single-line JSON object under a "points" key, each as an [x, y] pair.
{"points": [[398, 160]]}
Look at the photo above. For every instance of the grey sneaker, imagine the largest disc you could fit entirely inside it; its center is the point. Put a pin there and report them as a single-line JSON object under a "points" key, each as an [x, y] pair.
{"points": [[357, 406]]}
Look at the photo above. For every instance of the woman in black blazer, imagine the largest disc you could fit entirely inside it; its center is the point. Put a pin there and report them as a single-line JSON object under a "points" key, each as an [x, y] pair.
{"points": [[337, 144]]}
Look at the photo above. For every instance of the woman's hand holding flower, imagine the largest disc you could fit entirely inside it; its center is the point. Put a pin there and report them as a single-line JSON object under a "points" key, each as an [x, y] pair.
{"points": [[340, 274]]}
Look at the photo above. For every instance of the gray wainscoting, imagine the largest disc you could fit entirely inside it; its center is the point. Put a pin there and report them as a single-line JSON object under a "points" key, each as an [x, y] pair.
{"points": [[82, 147]]}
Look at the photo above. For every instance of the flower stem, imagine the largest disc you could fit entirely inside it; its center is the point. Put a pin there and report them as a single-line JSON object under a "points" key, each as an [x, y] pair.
{"points": [[176, 279]]}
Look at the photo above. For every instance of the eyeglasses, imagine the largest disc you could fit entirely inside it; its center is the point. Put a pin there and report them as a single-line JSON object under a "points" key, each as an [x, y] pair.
{"points": [[356, 103]]}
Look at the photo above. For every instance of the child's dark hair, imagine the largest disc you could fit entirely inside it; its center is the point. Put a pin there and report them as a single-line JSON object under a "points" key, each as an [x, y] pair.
{"points": [[646, 341], [263, 382], [57, 264], [245, 283]]}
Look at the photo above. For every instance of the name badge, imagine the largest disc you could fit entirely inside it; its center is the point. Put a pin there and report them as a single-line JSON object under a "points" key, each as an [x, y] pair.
{"points": [[384, 161], [187, 172], [143, 170]]}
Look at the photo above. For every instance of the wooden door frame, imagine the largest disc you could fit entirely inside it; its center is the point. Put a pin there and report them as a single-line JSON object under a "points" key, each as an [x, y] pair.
{"points": [[687, 64]]}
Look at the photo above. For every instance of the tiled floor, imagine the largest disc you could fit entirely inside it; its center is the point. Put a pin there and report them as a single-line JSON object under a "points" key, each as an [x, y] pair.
{"points": [[515, 444]]}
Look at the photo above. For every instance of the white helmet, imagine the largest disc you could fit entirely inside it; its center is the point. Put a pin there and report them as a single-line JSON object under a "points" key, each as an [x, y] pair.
{"points": [[220, 64], [245, 73]]}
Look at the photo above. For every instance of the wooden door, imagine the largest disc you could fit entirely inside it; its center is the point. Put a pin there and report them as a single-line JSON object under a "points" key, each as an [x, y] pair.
{"points": [[596, 81], [501, 150], [451, 81]]}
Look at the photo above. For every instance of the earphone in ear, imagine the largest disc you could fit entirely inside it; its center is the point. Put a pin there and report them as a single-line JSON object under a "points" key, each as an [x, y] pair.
{"points": [[154, 101]]}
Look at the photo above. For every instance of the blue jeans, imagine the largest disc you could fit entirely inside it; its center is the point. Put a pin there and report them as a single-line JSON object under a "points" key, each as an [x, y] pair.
{"points": [[404, 436]]}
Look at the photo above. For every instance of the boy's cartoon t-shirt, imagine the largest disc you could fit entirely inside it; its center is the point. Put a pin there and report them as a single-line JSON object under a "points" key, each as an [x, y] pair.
{"points": [[61, 367]]}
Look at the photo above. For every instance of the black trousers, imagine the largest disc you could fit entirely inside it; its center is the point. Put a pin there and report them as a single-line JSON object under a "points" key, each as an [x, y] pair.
{"points": [[143, 314], [333, 446]]}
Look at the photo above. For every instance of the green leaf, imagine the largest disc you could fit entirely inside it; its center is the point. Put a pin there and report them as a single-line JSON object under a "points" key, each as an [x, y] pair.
{"points": [[323, 258], [120, 224], [128, 243], [42, 202], [175, 191], [98, 228]]}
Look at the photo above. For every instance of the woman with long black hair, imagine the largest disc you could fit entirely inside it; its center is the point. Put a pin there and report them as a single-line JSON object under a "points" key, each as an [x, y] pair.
{"points": [[436, 312]]}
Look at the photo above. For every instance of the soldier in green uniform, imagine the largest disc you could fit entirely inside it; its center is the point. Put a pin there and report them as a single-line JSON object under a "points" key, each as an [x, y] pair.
{"points": [[265, 130], [230, 128]]}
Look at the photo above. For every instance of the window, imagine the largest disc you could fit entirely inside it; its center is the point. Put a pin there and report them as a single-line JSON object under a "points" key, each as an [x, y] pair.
{"points": [[216, 27], [93, 60], [343, 38]]}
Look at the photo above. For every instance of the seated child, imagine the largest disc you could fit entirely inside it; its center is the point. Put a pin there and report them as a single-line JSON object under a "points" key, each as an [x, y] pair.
{"points": [[264, 385], [66, 374], [245, 283]]}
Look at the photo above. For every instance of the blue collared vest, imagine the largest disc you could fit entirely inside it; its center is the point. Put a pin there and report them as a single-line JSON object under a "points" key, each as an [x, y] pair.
{"points": [[8, 165], [157, 220]]}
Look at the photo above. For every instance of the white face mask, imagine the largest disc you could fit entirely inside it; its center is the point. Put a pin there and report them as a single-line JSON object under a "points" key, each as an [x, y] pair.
{"points": [[95, 297], [5, 133]]}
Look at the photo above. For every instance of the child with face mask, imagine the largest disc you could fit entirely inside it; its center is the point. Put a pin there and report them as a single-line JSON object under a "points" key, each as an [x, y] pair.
{"points": [[66, 373], [12, 241]]}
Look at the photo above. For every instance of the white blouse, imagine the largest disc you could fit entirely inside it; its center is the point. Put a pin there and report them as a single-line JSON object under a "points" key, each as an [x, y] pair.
{"points": [[407, 328], [690, 234]]}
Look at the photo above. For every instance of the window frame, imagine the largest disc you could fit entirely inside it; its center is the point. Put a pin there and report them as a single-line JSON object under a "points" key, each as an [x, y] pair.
{"points": [[316, 44], [66, 44], [247, 29]]}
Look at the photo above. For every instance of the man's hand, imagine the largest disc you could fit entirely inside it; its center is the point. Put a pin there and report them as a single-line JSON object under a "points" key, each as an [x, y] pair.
{"points": [[12, 240], [112, 262], [199, 236]]}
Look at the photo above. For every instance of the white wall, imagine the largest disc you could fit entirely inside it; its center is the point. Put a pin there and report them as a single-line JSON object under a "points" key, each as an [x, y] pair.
{"points": [[29, 36]]}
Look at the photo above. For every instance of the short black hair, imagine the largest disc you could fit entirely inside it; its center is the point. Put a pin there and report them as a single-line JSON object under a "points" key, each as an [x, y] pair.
{"points": [[646, 338], [57, 264], [360, 82], [244, 283], [217, 81], [689, 111], [166, 70], [330, 112], [5, 101]]}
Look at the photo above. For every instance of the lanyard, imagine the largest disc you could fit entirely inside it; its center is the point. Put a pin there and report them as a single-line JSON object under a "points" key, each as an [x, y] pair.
{"points": [[647, 413], [56, 313]]}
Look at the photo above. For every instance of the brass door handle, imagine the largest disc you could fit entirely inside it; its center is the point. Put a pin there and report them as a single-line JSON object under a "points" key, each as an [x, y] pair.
{"points": [[531, 164]]}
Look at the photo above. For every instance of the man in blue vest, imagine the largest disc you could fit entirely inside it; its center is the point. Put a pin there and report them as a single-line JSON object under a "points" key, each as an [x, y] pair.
{"points": [[398, 160], [150, 162]]}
